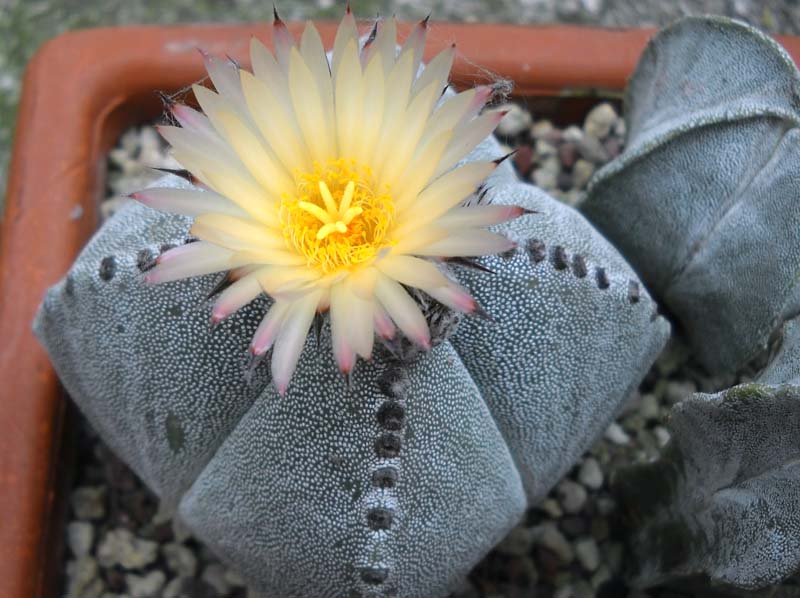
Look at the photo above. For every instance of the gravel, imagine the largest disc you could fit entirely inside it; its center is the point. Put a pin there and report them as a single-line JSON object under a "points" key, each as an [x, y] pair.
{"points": [[565, 546]]}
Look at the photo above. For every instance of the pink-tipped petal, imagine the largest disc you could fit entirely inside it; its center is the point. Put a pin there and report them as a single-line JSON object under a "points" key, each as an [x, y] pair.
{"points": [[454, 297], [282, 41], [186, 266], [197, 251], [482, 95], [416, 40], [481, 215], [403, 310], [468, 243], [268, 329], [291, 339], [188, 202], [236, 296], [383, 323]]}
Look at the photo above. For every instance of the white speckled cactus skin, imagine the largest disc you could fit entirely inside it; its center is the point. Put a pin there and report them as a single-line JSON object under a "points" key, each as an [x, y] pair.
{"points": [[724, 499], [703, 200], [396, 487]]}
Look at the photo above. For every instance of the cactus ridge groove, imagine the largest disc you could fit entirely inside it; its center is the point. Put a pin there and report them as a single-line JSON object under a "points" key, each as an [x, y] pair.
{"points": [[737, 195], [145, 260]]}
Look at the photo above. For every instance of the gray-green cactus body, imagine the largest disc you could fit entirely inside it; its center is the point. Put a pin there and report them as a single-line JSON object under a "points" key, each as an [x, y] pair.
{"points": [[703, 201], [560, 358], [724, 499], [398, 484]]}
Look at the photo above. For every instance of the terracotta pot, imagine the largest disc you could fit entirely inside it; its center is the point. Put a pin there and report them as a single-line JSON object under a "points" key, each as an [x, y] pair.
{"points": [[80, 91]]}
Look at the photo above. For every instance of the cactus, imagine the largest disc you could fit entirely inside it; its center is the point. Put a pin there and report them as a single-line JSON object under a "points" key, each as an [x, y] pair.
{"points": [[401, 481], [724, 498], [703, 200]]}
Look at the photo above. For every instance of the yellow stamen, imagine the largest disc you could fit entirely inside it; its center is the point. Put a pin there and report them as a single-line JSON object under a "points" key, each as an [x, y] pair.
{"points": [[315, 210], [330, 205], [347, 197]]}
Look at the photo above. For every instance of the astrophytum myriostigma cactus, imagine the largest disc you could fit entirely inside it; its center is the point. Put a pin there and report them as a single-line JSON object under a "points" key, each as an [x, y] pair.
{"points": [[703, 201], [724, 499], [397, 478]]}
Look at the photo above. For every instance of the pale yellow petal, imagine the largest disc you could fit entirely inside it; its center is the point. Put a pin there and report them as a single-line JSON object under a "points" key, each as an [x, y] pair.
{"points": [[468, 243], [404, 140], [369, 131], [420, 171], [188, 202], [268, 329], [345, 33], [313, 53], [310, 110], [236, 296], [258, 159], [444, 193], [277, 125], [349, 99], [236, 234], [478, 216], [437, 70], [385, 43], [412, 271], [466, 137]]}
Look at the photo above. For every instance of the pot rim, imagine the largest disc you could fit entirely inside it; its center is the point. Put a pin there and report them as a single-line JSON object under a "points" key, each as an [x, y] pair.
{"points": [[80, 91]]}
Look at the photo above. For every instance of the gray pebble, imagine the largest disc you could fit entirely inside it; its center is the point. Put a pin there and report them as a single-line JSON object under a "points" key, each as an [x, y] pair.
{"points": [[515, 122], [617, 435], [590, 148], [571, 495], [542, 129], [180, 559], [518, 542], [174, 588], [121, 547], [545, 149], [599, 121], [82, 579], [145, 586], [592, 7], [677, 390], [549, 536], [582, 171], [590, 474], [80, 537], [89, 502], [573, 133], [602, 575], [649, 408], [588, 554], [620, 129], [552, 508], [662, 436], [214, 575]]}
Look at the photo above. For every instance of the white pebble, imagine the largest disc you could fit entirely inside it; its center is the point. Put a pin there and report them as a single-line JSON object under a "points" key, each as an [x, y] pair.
{"points": [[599, 121], [662, 435], [587, 553], [515, 122], [590, 474], [180, 559], [80, 536], [571, 495], [582, 171], [88, 502], [573, 133], [541, 129], [145, 586], [121, 547], [549, 536], [617, 435]]}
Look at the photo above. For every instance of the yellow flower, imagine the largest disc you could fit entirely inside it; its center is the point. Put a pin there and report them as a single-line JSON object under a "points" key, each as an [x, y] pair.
{"points": [[329, 187]]}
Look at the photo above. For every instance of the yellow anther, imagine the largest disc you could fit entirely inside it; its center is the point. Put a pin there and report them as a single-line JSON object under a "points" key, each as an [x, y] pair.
{"points": [[351, 213], [330, 204], [315, 210], [349, 190], [329, 228]]}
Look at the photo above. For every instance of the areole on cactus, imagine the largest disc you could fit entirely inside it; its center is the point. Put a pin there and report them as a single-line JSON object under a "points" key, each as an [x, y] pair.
{"points": [[329, 186]]}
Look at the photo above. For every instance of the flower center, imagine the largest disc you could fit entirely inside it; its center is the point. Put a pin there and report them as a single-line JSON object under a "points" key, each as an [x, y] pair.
{"points": [[336, 218]]}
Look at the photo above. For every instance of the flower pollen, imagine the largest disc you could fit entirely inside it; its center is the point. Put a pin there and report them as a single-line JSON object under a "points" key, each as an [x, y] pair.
{"points": [[336, 218]]}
